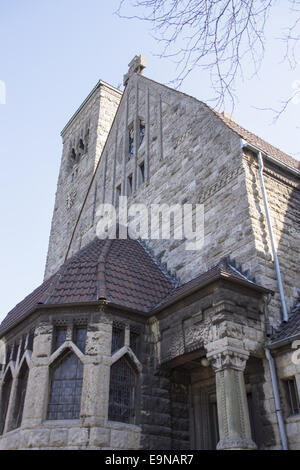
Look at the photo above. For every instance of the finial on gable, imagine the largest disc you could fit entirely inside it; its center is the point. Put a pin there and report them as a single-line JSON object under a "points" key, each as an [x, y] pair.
{"points": [[137, 65]]}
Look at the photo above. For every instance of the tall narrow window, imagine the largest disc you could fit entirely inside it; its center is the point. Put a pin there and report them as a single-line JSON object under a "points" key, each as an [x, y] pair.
{"points": [[118, 194], [118, 335], [122, 392], [80, 337], [293, 397], [60, 337], [20, 396], [141, 173], [66, 388], [129, 185], [131, 141], [142, 131], [4, 401]]}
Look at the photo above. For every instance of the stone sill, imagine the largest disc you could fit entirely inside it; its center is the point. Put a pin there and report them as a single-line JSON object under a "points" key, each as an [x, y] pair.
{"points": [[67, 423], [293, 418], [120, 426]]}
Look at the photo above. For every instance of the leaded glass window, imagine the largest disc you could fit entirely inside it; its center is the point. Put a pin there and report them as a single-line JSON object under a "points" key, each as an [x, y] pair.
{"points": [[66, 388], [80, 338], [135, 342], [122, 393], [60, 337], [131, 141], [30, 341], [20, 396], [142, 131], [5, 395], [118, 332], [293, 397]]}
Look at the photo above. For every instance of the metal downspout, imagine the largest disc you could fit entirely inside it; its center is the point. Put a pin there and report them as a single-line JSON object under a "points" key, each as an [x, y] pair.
{"points": [[277, 399], [276, 262]]}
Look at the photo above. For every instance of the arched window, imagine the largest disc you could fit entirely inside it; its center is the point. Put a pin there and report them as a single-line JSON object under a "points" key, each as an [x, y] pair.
{"points": [[122, 392], [65, 388], [20, 396], [4, 399]]}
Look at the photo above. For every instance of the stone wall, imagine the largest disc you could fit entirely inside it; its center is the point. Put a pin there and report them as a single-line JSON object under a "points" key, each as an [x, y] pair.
{"points": [[283, 192], [93, 429], [189, 156]]}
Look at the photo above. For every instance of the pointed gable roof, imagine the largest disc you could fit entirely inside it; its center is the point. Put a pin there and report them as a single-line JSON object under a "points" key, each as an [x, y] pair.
{"points": [[248, 136]]}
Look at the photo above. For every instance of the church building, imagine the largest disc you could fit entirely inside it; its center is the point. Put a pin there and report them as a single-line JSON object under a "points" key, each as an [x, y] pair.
{"points": [[153, 342]]}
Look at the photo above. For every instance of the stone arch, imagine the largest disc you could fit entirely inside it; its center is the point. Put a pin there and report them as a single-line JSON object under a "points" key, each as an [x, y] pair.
{"points": [[65, 386]]}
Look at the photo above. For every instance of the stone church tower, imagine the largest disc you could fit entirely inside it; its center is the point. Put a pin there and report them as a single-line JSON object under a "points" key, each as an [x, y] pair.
{"points": [[141, 343]]}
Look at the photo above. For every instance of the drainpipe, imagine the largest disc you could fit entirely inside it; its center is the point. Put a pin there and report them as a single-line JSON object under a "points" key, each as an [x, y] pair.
{"points": [[277, 400], [276, 262]]}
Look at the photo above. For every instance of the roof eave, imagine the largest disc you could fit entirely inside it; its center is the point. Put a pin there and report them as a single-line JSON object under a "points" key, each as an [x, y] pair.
{"points": [[283, 342], [217, 277], [100, 83], [245, 143]]}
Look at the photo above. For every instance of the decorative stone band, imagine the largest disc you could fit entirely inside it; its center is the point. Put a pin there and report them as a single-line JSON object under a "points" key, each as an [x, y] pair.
{"points": [[230, 357]]}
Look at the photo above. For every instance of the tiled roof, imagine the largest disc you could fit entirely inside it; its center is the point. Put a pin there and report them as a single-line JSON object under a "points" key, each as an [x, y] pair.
{"points": [[122, 272], [223, 270], [289, 329], [260, 143]]}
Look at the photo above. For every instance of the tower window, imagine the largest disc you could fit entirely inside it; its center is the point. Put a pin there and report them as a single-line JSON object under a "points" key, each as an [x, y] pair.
{"points": [[142, 131], [293, 397], [118, 194], [81, 144], [141, 173], [129, 185], [73, 155], [131, 141]]}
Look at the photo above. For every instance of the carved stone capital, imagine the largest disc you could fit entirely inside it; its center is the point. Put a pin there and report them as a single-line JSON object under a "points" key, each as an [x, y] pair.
{"points": [[228, 358], [232, 443]]}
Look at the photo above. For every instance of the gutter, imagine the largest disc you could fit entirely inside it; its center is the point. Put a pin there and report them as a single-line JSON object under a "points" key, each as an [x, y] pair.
{"points": [[255, 149], [265, 198], [278, 408], [283, 342]]}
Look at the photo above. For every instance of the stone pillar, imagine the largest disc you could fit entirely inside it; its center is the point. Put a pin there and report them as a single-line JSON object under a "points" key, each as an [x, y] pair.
{"points": [[233, 413], [95, 391], [35, 406]]}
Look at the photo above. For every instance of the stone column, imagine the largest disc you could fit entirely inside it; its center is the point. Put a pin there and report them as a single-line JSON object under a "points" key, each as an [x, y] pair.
{"points": [[95, 391], [35, 406], [233, 413]]}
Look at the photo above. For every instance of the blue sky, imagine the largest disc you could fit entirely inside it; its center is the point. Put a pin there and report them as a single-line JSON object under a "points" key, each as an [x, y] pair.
{"points": [[53, 52]]}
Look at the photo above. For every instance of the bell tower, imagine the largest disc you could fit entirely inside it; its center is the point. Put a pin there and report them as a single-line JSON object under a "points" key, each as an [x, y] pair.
{"points": [[83, 139]]}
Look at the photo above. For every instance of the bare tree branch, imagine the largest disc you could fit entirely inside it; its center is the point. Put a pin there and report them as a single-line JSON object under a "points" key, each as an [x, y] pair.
{"points": [[224, 37]]}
